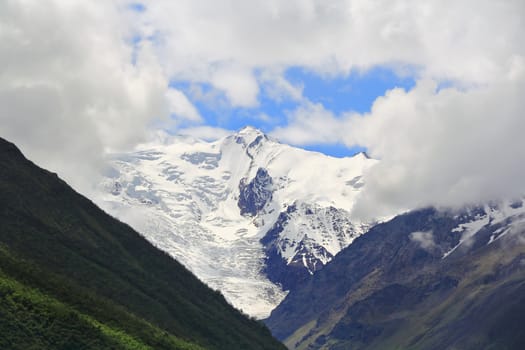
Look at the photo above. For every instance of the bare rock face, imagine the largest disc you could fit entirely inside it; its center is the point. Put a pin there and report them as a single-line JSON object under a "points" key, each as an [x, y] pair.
{"points": [[256, 194]]}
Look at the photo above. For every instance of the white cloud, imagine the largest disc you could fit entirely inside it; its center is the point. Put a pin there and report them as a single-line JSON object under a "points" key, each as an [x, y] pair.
{"points": [[68, 88], [238, 83], [266, 118], [443, 147], [181, 106], [276, 87], [74, 84], [454, 40], [208, 133], [424, 239], [437, 147], [310, 123]]}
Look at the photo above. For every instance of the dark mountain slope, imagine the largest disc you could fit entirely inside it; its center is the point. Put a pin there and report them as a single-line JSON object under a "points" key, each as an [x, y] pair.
{"points": [[389, 290], [63, 261]]}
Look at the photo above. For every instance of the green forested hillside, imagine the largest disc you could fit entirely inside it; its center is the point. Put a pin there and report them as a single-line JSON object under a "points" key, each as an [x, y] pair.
{"points": [[72, 277]]}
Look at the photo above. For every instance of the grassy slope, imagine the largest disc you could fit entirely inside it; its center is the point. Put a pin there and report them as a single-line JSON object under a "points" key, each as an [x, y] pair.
{"points": [[64, 247], [31, 319]]}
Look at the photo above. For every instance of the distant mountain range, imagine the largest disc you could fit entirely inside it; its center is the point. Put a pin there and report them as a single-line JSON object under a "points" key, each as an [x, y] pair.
{"points": [[427, 280], [73, 277], [248, 215], [269, 226]]}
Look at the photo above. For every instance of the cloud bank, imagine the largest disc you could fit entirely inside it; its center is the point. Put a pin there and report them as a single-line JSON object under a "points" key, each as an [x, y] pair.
{"points": [[68, 88], [424, 239], [438, 147], [79, 79]]}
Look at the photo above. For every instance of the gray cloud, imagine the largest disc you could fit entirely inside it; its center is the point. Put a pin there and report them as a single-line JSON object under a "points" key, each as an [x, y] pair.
{"points": [[68, 89], [73, 83], [446, 147], [463, 41], [424, 239]]}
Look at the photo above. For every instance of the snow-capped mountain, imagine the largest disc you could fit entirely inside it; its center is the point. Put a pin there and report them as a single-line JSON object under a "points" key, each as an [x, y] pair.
{"points": [[487, 224], [246, 213], [426, 279]]}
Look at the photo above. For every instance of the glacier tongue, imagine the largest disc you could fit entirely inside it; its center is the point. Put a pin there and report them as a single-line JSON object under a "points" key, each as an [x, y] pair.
{"points": [[211, 205]]}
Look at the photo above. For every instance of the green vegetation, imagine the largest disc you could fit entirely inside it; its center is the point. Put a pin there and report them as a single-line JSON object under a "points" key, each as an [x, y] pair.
{"points": [[32, 320], [73, 277]]}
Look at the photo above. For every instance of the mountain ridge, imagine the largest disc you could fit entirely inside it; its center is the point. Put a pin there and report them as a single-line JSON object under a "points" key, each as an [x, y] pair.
{"points": [[426, 279], [62, 258]]}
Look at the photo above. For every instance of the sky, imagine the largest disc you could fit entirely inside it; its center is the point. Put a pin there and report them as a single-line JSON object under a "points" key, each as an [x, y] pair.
{"points": [[433, 89]]}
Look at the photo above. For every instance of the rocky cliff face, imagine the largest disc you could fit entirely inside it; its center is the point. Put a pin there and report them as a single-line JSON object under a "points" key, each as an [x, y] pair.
{"points": [[256, 194], [294, 247]]}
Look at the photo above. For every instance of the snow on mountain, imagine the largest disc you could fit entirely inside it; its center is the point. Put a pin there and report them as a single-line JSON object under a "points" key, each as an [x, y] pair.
{"points": [[496, 219], [233, 209]]}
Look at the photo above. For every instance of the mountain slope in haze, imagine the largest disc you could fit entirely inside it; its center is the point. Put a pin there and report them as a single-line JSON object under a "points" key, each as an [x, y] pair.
{"points": [[247, 214], [424, 280], [71, 276]]}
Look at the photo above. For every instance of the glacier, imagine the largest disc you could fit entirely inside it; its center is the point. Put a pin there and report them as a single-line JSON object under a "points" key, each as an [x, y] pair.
{"points": [[232, 210]]}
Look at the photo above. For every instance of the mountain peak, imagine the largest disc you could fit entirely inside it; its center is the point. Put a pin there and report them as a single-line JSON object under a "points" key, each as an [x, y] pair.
{"points": [[249, 135], [234, 191], [250, 131], [363, 154]]}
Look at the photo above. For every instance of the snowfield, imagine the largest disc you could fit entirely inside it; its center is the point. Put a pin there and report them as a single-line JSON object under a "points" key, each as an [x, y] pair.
{"points": [[186, 197]]}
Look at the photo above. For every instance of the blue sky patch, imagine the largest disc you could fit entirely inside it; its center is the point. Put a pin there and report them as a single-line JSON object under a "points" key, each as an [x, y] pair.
{"points": [[335, 150], [355, 92], [137, 7]]}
